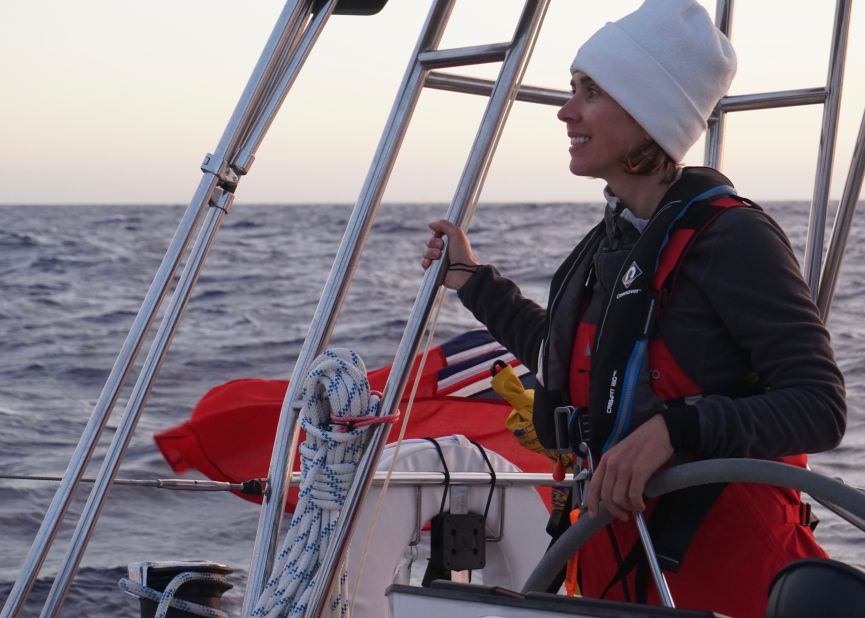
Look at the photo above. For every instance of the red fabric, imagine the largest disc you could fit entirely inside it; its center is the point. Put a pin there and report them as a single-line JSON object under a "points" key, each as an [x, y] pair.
{"points": [[728, 202], [671, 255], [750, 532], [581, 364], [669, 380], [748, 535], [229, 436]]}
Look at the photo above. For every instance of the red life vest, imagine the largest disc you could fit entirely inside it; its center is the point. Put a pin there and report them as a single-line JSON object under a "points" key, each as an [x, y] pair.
{"points": [[749, 532]]}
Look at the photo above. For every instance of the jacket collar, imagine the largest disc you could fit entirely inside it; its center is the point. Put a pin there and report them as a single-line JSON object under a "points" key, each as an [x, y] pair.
{"points": [[692, 182]]}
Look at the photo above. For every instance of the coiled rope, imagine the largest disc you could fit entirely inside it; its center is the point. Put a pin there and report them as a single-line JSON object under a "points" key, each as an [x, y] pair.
{"points": [[337, 410], [166, 599]]}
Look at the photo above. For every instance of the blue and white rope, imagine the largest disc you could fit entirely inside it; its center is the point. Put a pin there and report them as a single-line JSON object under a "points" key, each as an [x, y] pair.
{"points": [[166, 599], [335, 386]]}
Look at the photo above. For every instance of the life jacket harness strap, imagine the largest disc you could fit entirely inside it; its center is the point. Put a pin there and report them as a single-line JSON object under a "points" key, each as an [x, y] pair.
{"points": [[677, 516], [672, 525], [621, 347], [630, 319]]}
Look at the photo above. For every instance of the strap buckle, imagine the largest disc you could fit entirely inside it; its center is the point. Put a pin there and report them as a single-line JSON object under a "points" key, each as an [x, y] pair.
{"points": [[807, 516], [571, 426]]}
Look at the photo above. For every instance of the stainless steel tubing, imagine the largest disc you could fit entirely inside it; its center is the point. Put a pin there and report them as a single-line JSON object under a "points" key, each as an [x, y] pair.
{"points": [[462, 56], [503, 479], [275, 98], [291, 14], [484, 87], [333, 295], [843, 221], [826, 152], [107, 398], [746, 102], [551, 96], [713, 152], [724, 16], [782, 98], [652, 558], [464, 200], [282, 35], [137, 399], [493, 122]]}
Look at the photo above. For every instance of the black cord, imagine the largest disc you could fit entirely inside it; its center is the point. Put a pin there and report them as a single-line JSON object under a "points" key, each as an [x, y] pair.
{"points": [[462, 267]]}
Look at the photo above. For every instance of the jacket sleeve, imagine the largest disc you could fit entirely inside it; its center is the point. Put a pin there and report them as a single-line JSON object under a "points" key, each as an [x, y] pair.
{"points": [[515, 321], [753, 283]]}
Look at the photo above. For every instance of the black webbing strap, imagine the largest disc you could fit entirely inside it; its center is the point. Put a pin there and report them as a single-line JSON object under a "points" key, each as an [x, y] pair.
{"points": [[492, 472], [446, 471], [435, 567], [617, 554], [672, 526]]}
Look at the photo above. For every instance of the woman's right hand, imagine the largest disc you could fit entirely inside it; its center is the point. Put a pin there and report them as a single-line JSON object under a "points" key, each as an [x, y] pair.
{"points": [[459, 252]]}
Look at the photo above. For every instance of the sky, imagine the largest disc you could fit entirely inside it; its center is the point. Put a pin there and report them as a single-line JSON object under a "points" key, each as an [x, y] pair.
{"points": [[117, 102]]}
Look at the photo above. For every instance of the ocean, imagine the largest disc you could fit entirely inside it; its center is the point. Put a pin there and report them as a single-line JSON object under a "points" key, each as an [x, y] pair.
{"points": [[73, 277]]}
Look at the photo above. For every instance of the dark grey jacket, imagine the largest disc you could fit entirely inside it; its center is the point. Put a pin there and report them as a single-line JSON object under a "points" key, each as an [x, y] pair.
{"points": [[740, 313]]}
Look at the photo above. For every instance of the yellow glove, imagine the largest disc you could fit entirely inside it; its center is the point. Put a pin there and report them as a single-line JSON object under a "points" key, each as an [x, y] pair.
{"points": [[507, 384]]}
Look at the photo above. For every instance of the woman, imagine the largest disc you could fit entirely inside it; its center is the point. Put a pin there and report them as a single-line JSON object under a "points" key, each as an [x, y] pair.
{"points": [[680, 326]]}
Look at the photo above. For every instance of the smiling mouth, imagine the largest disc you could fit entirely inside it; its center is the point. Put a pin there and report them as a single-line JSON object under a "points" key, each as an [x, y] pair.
{"points": [[580, 139]]}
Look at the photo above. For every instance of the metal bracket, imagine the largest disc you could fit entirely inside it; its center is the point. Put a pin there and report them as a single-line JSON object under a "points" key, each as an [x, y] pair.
{"points": [[416, 538], [242, 167], [219, 168], [221, 199], [459, 499]]}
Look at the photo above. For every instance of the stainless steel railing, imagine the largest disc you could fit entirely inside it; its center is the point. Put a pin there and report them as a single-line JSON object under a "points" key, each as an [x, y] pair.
{"points": [[278, 66], [843, 221], [462, 207], [829, 96], [424, 57], [826, 152], [281, 60], [332, 297]]}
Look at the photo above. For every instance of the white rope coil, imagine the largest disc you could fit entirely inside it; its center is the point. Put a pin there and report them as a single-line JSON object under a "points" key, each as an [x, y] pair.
{"points": [[337, 387]]}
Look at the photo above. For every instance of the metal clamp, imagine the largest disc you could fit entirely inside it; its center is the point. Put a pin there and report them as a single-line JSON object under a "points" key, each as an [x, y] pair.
{"points": [[219, 168], [221, 199], [571, 425], [586, 466]]}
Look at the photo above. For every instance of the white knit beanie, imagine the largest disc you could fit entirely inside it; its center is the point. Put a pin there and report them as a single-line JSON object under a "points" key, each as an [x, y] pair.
{"points": [[667, 65]]}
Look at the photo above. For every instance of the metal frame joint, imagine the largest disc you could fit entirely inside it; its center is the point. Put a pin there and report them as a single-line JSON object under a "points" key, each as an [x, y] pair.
{"points": [[221, 199], [219, 168]]}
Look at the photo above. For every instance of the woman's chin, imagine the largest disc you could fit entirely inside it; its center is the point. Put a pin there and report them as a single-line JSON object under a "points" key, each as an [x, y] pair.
{"points": [[579, 168]]}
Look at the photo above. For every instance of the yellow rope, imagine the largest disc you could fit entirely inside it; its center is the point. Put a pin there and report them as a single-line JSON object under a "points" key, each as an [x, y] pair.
{"points": [[431, 326]]}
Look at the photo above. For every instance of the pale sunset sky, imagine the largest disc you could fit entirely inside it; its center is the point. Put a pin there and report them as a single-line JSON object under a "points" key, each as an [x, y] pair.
{"points": [[117, 102]]}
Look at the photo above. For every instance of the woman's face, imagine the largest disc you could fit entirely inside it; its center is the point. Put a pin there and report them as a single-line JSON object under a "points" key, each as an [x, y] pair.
{"points": [[602, 133]]}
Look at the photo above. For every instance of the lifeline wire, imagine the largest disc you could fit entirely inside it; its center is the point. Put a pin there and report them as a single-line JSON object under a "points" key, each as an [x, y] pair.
{"points": [[336, 389]]}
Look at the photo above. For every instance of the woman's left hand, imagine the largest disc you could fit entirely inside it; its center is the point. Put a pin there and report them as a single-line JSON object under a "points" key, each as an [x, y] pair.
{"points": [[621, 476]]}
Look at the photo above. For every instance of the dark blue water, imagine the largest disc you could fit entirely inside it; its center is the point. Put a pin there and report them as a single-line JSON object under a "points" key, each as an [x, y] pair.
{"points": [[72, 278]]}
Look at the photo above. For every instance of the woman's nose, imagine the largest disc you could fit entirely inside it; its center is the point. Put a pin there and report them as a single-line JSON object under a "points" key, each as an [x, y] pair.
{"points": [[568, 111]]}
